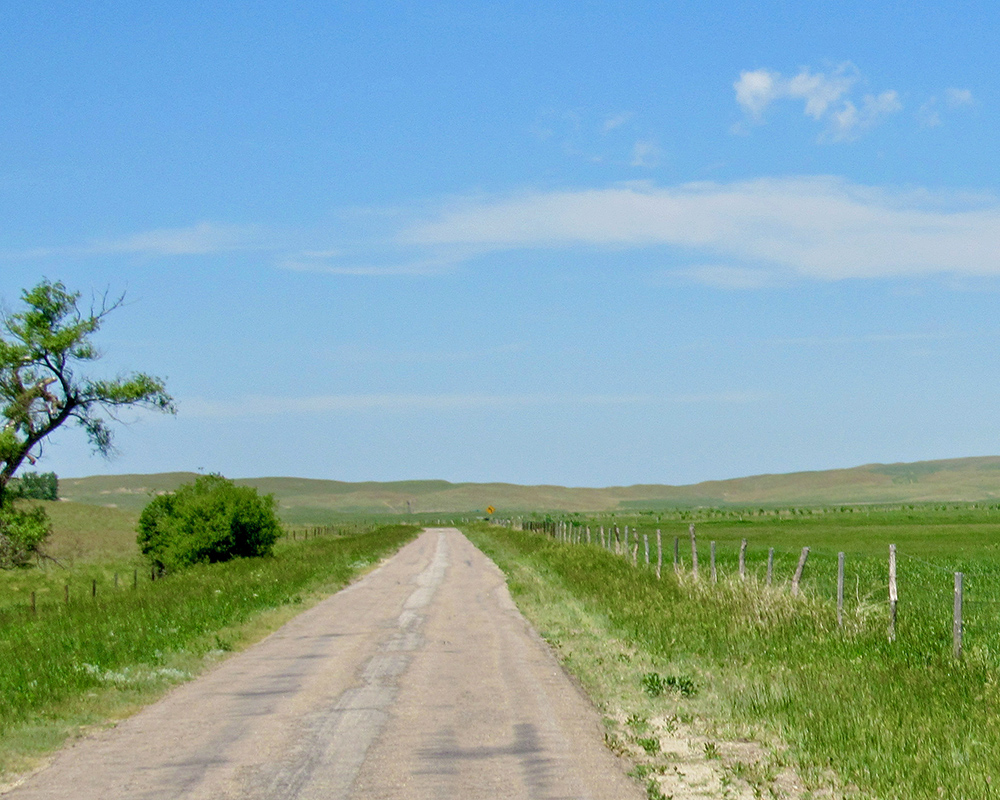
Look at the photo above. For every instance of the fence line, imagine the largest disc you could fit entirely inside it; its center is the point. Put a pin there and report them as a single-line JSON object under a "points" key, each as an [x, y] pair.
{"points": [[623, 537]]}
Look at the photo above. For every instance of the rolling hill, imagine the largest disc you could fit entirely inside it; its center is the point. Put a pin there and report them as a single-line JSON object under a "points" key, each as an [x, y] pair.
{"points": [[307, 500]]}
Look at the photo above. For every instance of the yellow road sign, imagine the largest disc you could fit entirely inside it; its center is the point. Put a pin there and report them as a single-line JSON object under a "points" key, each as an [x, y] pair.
{"points": [[490, 509]]}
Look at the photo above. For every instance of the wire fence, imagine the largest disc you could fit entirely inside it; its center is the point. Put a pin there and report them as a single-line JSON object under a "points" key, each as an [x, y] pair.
{"points": [[954, 599]]}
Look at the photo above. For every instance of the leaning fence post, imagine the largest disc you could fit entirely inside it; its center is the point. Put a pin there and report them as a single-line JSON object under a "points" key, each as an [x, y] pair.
{"points": [[840, 590], [770, 565], [798, 570], [659, 553], [893, 594], [635, 552], [743, 560], [694, 551], [711, 561], [956, 628], [645, 544]]}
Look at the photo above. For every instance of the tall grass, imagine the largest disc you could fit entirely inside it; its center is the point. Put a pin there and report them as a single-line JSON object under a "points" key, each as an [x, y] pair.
{"points": [[897, 720], [127, 635]]}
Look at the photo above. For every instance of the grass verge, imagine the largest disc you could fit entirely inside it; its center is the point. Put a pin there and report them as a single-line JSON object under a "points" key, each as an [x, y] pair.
{"points": [[96, 659], [856, 715]]}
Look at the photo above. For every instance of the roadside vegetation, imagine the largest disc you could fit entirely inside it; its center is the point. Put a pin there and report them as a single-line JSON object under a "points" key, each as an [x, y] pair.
{"points": [[854, 713], [114, 647]]}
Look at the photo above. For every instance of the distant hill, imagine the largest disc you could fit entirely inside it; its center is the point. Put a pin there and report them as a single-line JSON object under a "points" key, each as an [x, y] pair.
{"points": [[305, 500]]}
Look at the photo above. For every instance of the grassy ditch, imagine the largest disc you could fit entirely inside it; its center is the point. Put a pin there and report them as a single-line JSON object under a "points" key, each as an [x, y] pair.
{"points": [[850, 709], [97, 657]]}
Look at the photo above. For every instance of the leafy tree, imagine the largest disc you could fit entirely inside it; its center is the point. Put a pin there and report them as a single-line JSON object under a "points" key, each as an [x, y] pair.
{"points": [[41, 348], [44, 486], [209, 520]]}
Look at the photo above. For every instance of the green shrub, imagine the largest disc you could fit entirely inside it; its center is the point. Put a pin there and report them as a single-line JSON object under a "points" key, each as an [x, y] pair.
{"points": [[22, 530], [207, 521], [36, 486]]}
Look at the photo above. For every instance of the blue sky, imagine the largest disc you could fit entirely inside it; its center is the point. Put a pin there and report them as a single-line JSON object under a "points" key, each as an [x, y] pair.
{"points": [[577, 243]]}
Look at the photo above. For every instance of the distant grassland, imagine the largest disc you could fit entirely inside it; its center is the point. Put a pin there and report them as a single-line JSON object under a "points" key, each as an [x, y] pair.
{"points": [[893, 720], [101, 655], [314, 501]]}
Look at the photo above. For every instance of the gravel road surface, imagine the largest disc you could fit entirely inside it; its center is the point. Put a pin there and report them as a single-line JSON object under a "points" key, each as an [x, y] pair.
{"points": [[422, 680]]}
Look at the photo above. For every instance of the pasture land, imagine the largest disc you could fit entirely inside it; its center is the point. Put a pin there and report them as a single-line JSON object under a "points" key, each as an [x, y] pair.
{"points": [[112, 648], [855, 713], [311, 501]]}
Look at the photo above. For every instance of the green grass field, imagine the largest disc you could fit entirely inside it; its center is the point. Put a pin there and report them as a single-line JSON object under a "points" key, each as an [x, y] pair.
{"points": [[899, 719], [101, 655]]}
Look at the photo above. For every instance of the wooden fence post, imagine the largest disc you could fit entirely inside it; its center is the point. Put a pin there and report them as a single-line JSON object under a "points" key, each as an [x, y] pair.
{"points": [[770, 565], [840, 590], [645, 544], [135, 578], [798, 571], [711, 561], [626, 540], [893, 594], [588, 534], [743, 560], [66, 593], [635, 552], [659, 553], [677, 553], [694, 551], [93, 588], [956, 628]]}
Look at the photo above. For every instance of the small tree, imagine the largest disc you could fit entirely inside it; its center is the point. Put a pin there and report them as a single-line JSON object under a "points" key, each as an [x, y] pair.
{"points": [[209, 520], [40, 349], [35, 486]]}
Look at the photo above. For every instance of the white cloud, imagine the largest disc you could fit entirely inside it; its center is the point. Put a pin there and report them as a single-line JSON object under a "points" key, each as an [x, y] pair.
{"points": [[204, 238], [646, 153], [821, 228], [826, 98], [263, 405], [820, 91], [756, 90], [271, 405], [616, 121], [850, 122], [724, 276], [929, 113], [956, 98]]}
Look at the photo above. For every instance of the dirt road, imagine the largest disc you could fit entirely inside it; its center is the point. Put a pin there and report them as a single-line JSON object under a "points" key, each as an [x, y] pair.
{"points": [[420, 681]]}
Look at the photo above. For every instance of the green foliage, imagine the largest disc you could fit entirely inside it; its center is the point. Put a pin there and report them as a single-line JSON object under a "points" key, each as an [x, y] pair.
{"points": [[40, 350], [22, 530], [35, 486], [209, 520]]}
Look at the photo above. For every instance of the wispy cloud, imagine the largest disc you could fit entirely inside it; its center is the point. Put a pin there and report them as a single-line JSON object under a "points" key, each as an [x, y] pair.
{"points": [[419, 268], [820, 227], [929, 113], [204, 238], [263, 405], [616, 138], [865, 339], [826, 98], [646, 153]]}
